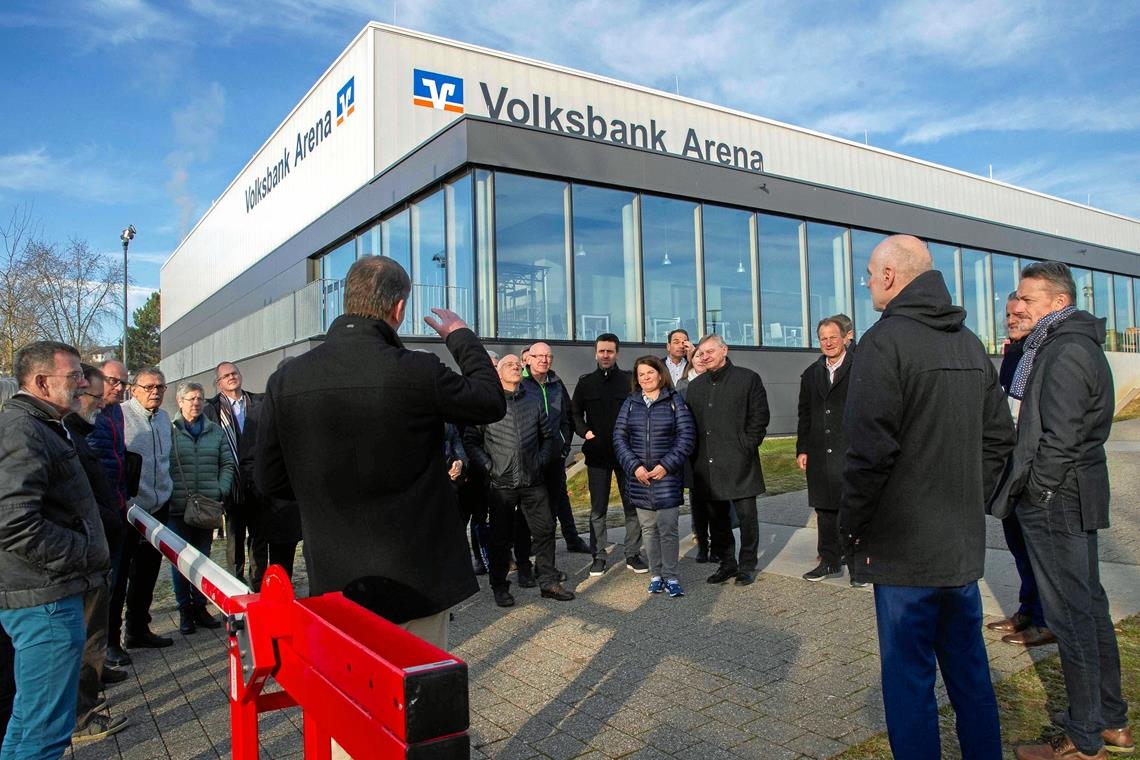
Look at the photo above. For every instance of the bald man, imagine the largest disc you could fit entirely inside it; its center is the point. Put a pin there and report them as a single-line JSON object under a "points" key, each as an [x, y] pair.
{"points": [[928, 430]]}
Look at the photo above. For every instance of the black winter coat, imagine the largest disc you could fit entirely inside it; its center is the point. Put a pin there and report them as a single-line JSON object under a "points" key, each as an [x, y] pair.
{"points": [[820, 433], [111, 516], [598, 397], [662, 433], [928, 429], [51, 538], [1066, 415], [1009, 360], [558, 408], [516, 450], [353, 430], [278, 521], [730, 408]]}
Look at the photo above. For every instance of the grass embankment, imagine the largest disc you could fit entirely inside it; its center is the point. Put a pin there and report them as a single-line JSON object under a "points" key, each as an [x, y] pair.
{"points": [[777, 458], [1130, 411], [1027, 698]]}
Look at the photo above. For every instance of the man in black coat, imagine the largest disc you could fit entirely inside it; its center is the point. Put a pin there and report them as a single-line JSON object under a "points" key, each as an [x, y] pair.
{"points": [[353, 430], [928, 430], [1058, 487], [231, 409], [1027, 625], [730, 408], [516, 452], [598, 397], [821, 442]]}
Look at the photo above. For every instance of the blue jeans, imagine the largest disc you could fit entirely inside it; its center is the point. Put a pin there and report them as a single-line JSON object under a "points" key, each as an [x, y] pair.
{"points": [[923, 628], [1067, 565], [1028, 597], [185, 594], [48, 642]]}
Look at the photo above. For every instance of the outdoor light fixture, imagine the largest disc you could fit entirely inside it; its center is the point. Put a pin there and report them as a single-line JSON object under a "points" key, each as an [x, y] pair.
{"points": [[581, 250], [127, 236]]}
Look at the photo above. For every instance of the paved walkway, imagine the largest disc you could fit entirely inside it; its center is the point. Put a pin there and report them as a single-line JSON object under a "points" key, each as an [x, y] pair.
{"points": [[779, 669]]}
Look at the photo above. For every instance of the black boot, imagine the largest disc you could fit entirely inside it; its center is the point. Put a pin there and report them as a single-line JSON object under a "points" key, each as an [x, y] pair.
{"points": [[203, 618], [186, 624]]}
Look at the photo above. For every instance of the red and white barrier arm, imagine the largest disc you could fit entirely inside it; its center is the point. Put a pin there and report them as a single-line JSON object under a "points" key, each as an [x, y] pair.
{"points": [[219, 587]]}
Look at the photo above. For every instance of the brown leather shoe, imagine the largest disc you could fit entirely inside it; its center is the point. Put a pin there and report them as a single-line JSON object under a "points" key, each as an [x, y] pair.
{"points": [[1061, 748], [1030, 637], [1012, 624], [1118, 741]]}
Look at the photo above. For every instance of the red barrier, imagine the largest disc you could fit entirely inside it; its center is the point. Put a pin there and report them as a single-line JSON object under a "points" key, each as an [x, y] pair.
{"points": [[376, 689]]}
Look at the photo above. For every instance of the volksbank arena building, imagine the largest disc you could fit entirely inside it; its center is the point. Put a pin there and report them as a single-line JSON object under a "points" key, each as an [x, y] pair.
{"points": [[545, 203]]}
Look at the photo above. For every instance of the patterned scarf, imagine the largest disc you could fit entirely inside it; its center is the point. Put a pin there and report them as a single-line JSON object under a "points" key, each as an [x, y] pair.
{"points": [[1032, 343]]}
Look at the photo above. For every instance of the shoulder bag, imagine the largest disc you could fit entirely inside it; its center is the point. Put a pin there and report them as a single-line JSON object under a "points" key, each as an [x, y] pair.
{"points": [[201, 511]]}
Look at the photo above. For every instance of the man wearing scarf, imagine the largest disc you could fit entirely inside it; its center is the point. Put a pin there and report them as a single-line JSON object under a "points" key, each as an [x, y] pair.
{"points": [[1058, 487]]}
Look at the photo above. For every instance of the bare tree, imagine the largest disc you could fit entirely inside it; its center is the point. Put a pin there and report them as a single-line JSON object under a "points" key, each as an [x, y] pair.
{"points": [[81, 288], [23, 306]]}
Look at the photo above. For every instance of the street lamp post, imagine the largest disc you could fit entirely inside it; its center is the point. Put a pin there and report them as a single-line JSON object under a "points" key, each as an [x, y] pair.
{"points": [[127, 236]]}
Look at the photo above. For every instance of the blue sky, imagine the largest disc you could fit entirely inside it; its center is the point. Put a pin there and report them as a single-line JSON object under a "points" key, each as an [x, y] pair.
{"points": [[134, 111]]}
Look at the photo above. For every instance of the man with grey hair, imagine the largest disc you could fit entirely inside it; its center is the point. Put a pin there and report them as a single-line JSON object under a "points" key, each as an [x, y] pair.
{"points": [[1058, 487], [928, 430], [353, 430], [146, 432], [52, 548], [730, 407]]}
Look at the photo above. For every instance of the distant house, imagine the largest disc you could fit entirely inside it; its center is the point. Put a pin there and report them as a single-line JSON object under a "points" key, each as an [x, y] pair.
{"points": [[99, 354]]}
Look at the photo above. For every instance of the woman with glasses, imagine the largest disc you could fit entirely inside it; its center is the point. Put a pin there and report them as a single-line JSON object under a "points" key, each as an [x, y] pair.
{"points": [[653, 437], [200, 464]]}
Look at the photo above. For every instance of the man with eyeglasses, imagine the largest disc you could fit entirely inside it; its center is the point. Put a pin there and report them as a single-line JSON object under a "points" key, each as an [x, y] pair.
{"points": [[93, 721], [540, 378], [52, 548], [108, 442], [147, 433]]}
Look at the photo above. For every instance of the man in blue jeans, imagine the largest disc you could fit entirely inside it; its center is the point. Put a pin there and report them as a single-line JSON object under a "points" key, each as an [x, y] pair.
{"points": [[52, 549], [928, 430]]}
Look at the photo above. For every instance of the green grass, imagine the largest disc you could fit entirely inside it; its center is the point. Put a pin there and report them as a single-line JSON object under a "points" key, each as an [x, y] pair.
{"points": [[1131, 411], [777, 459], [1026, 699]]}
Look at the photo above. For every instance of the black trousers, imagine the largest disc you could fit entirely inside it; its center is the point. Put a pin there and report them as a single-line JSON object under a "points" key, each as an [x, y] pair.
{"points": [[237, 529], [95, 605], [699, 511], [724, 543], [534, 505], [132, 582], [827, 540], [560, 501], [264, 553], [598, 480]]}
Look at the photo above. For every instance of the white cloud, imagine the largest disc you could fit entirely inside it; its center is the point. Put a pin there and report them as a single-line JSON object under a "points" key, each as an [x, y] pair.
{"points": [[84, 174], [196, 127], [1111, 182]]}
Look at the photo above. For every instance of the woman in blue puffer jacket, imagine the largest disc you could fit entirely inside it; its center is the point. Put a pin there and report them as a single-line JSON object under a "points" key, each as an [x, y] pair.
{"points": [[653, 437]]}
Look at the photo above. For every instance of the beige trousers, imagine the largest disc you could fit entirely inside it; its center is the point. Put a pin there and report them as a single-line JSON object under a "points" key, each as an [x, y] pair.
{"points": [[433, 630]]}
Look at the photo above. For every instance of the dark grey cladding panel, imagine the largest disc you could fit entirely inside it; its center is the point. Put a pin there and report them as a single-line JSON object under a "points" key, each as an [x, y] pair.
{"points": [[523, 148], [285, 269], [480, 141]]}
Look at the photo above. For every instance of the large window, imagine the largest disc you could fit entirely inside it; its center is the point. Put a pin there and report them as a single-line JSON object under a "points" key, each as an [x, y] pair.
{"points": [[977, 297], [669, 266], [1102, 298], [946, 261], [1082, 278], [1005, 282], [460, 250], [530, 257], [334, 267], [368, 244], [781, 292], [605, 263], [729, 304], [429, 262], [396, 241], [827, 274], [862, 244]]}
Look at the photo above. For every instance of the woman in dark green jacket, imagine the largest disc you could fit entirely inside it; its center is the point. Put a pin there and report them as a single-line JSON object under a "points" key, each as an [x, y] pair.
{"points": [[200, 463]]}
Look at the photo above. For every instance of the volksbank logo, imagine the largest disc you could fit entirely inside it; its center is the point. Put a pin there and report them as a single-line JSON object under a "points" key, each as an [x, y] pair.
{"points": [[306, 143], [438, 91], [346, 100]]}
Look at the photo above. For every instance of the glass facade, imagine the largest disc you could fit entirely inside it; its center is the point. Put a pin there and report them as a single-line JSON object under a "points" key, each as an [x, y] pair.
{"points": [[730, 303], [568, 261], [669, 267], [605, 262], [828, 274], [781, 282]]}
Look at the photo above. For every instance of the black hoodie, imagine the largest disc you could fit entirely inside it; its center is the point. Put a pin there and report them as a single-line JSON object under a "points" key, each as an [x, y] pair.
{"points": [[928, 430]]}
